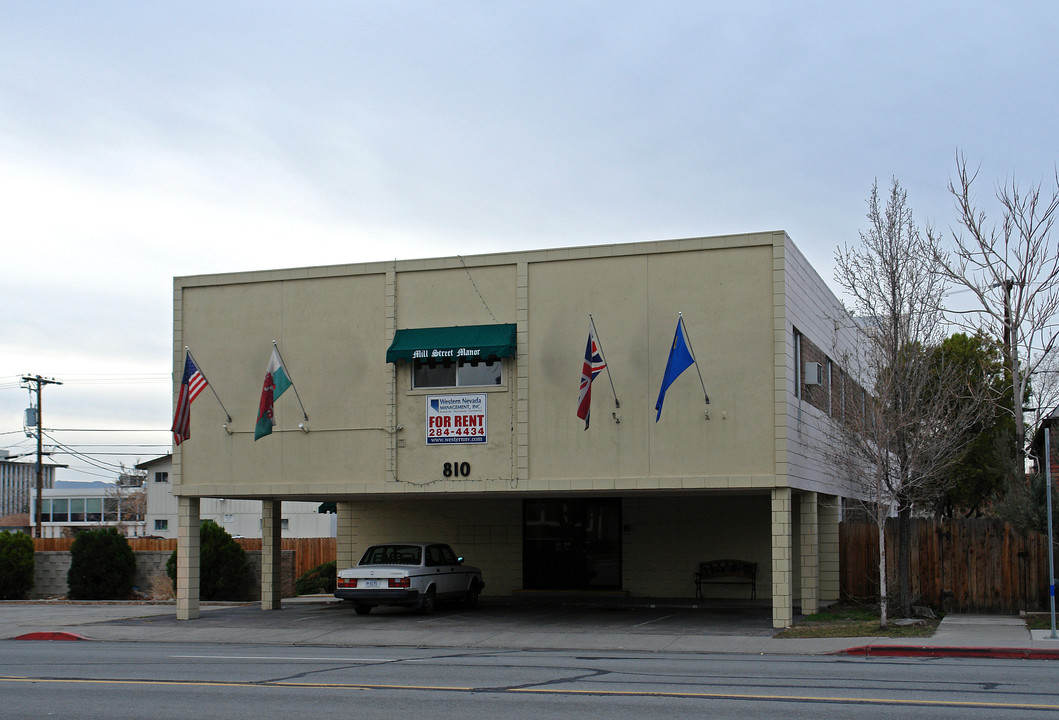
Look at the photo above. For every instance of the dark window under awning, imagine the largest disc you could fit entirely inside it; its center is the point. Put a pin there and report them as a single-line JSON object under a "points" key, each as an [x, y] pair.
{"points": [[460, 342]]}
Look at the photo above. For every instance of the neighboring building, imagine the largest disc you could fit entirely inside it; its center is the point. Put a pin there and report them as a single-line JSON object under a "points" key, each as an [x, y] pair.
{"points": [[65, 510], [18, 522], [18, 484], [439, 402], [240, 518]]}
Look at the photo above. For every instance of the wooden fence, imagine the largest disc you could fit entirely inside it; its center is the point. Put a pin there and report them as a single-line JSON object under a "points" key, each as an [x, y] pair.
{"points": [[961, 565], [308, 552]]}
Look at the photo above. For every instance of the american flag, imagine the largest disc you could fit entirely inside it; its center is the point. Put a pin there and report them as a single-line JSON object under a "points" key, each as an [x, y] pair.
{"points": [[194, 382], [592, 366]]}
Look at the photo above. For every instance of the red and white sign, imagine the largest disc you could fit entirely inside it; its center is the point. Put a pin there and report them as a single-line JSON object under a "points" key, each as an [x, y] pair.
{"points": [[456, 419]]}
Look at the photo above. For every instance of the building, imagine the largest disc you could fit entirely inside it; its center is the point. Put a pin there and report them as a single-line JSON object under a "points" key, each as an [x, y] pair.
{"points": [[66, 510], [437, 399], [240, 518], [18, 484]]}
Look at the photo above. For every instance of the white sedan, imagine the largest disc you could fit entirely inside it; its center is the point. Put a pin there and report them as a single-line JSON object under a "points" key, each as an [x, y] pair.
{"points": [[409, 574]]}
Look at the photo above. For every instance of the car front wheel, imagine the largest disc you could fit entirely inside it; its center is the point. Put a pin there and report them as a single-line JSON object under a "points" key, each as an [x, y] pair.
{"points": [[426, 603], [470, 600]]}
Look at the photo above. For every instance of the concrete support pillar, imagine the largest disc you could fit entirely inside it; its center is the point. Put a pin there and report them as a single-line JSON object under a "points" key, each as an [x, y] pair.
{"points": [[271, 554], [188, 544], [782, 563], [830, 517], [344, 537], [810, 553]]}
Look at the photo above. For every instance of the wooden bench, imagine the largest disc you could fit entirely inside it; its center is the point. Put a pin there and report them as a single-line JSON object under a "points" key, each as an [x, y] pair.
{"points": [[727, 572]]}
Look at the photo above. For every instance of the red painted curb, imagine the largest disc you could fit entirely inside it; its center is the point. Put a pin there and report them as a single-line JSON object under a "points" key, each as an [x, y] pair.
{"points": [[50, 636], [969, 652]]}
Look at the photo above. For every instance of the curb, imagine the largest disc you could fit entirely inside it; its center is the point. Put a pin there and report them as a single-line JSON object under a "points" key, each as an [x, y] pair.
{"points": [[50, 636], [938, 652]]}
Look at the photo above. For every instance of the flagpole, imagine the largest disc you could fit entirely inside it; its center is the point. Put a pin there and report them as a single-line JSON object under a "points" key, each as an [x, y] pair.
{"points": [[208, 383], [595, 334], [287, 371], [687, 339]]}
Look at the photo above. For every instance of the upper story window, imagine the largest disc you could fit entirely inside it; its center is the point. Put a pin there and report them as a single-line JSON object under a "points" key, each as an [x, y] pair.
{"points": [[456, 373], [161, 477]]}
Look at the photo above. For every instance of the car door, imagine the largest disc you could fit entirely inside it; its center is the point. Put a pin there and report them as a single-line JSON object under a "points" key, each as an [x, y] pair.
{"points": [[446, 570]]}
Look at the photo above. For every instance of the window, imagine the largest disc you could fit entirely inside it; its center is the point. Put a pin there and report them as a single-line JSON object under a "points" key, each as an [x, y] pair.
{"points": [[60, 510], [45, 510], [161, 477], [77, 510], [459, 373], [93, 509], [161, 524], [284, 524]]}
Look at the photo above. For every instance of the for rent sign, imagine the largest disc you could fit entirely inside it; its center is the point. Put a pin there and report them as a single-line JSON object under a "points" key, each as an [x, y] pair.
{"points": [[456, 419]]}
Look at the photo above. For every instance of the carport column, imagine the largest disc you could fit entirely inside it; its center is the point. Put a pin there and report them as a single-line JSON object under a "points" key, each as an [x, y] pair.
{"points": [[344, 539], [830, 515], [782, 570], [188, 543], [271, 554], [810, 554]]}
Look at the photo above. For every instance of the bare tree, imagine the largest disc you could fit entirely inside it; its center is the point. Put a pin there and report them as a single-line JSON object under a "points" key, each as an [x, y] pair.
{"points": [[907, 432], [1012, 270], [125, 503]]}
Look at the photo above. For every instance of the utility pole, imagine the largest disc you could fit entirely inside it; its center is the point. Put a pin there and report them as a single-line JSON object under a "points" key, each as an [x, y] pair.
{"points": [[37, 382]]}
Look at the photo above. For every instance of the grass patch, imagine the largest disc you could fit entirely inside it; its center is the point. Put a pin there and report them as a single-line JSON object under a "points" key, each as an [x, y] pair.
{"points": [[1039, 621], [841, 621]]}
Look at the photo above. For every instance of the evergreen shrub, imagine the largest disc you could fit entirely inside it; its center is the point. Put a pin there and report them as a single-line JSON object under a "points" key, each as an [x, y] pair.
{"points": [[16, 565], [224, 571], [321, 579], [102, 566]]}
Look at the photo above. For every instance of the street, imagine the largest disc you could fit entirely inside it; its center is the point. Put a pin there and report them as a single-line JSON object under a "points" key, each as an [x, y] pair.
{"points": [[169, 680]]}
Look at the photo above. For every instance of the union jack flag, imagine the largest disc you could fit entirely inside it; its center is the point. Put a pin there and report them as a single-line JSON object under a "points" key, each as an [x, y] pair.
{"points": [[592, 366], [194, 382]]}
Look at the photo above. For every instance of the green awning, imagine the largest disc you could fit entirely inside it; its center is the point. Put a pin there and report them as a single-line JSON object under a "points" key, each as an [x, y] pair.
{"points": [[461, 342]]}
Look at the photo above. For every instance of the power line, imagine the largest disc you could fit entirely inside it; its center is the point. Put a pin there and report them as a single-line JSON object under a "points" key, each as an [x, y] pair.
{"points": [[105, 430]]}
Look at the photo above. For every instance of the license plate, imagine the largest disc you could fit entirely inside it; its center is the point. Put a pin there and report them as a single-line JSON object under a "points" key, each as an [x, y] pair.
{"points": [[374, 583]]}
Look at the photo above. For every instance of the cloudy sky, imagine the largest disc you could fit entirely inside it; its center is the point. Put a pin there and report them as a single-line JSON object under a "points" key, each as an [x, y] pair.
{"points": [[142, 141]]}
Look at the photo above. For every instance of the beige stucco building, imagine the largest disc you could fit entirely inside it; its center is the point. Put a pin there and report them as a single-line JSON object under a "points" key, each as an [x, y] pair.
{"points": [[523, 490]]}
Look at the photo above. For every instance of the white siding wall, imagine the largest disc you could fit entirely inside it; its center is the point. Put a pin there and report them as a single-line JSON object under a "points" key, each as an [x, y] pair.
{"points": [[814, 310]]}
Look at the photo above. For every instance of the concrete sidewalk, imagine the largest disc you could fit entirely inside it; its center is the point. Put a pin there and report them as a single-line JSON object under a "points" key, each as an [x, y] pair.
{"points": [[645, 627]]}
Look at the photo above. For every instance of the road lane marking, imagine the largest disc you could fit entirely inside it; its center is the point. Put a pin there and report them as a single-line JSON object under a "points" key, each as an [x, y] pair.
{"points": [[548, 691], [284, 658]]}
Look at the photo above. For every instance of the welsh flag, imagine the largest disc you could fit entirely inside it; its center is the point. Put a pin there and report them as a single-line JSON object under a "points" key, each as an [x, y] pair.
{"points": [[276, 381]]}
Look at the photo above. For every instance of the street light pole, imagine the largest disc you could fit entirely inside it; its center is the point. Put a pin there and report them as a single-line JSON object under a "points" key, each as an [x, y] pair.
{"points": [[1048, 495]]}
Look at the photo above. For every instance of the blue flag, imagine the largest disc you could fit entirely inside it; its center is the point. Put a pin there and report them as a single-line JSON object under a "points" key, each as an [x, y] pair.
{"points": [[680, 359]]}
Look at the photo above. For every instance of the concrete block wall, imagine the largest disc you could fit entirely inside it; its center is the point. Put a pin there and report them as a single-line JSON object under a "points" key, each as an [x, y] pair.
{"points": [[50, 570]]}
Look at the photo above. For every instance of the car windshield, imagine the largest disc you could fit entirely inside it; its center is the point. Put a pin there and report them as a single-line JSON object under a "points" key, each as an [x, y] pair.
{"points": [[393, 555]]}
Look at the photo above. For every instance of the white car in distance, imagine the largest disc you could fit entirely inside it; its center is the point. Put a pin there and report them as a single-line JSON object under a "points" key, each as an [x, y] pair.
{"points": [[409, 574]]}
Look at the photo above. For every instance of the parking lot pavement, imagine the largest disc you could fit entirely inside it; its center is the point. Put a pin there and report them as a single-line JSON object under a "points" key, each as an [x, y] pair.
{"points": [[647, 626]]}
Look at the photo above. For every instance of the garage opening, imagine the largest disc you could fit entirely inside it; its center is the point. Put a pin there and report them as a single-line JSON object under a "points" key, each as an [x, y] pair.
{"points": [[571, 544]]}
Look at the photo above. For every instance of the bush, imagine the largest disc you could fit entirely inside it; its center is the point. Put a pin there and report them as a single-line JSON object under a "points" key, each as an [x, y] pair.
{"points": [[224, 572], [102, 566], [16, 565], [321, 579]]}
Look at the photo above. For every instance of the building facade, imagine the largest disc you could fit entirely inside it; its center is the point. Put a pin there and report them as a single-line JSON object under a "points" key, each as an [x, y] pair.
{"points": [[437, 399], [67, 510], [18, 485]]}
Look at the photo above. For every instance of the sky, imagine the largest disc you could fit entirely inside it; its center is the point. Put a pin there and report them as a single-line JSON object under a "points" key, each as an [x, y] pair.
{"points": [[142, 141]]}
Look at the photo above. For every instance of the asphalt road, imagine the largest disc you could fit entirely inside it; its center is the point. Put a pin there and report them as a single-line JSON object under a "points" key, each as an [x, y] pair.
{"points": [[115, 680]]}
